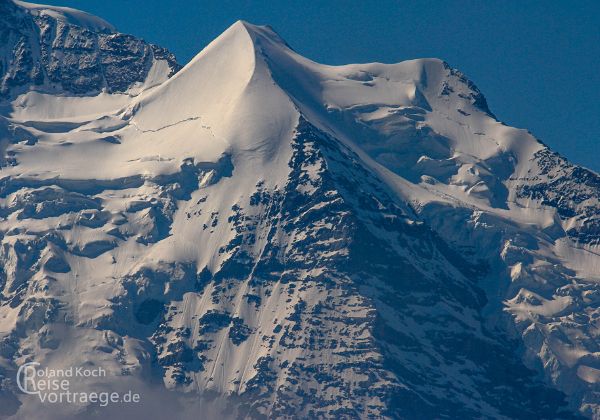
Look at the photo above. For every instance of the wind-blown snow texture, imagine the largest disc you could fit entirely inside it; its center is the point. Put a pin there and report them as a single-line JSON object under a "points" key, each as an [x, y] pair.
{"points": [[284, 238]]}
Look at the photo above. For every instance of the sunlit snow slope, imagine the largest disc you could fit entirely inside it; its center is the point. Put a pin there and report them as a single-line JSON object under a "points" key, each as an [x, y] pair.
{"points": [[277, 237]]}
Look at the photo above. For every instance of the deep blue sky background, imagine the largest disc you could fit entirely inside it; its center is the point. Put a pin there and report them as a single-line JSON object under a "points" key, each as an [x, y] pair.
{"points": [[537, 62]]}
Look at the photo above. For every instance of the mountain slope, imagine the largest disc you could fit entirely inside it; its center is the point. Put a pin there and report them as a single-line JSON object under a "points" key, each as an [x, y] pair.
{"points": [[284, 238]]}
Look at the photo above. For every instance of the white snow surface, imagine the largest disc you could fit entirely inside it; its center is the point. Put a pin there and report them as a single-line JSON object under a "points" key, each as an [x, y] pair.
{"points": [[68, 15]]}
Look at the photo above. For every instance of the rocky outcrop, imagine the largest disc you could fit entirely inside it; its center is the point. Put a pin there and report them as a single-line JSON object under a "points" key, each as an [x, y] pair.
{"points": [[42, 49]]}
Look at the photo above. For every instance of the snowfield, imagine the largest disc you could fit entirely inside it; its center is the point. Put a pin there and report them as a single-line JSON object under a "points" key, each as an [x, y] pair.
{"points": [[256, 235]]}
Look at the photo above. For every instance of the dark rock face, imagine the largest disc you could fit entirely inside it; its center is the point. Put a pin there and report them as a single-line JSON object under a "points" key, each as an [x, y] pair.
{"points": [[46, 53], [148, 311], [350, 302], [571, 189]]}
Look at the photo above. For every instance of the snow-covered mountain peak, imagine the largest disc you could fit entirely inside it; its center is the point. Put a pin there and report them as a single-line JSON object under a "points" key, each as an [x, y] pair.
{"points": [[220, 92], [294, 239], [67, 15], [258, 31]]}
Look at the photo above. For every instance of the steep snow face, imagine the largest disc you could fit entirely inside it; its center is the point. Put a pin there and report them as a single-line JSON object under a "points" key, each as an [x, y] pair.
{"points": [[226, 90], [293, 239], [65, 51], [416, 118]]}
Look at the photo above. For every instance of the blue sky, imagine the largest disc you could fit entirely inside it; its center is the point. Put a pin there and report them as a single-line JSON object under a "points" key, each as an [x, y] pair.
{"points": [[537, 62]]}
